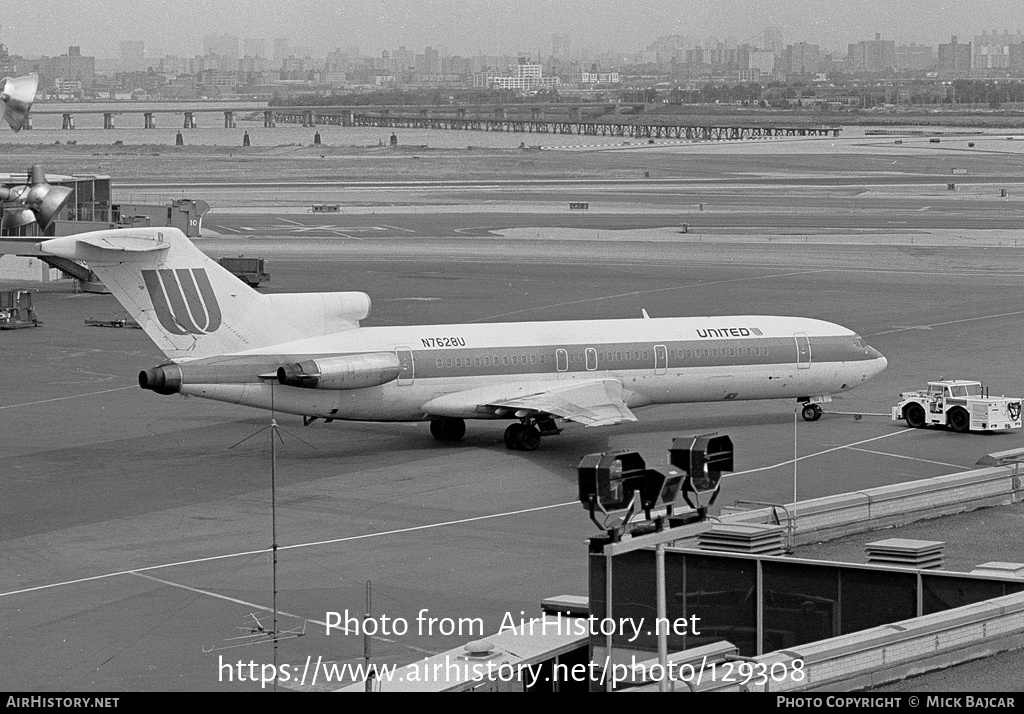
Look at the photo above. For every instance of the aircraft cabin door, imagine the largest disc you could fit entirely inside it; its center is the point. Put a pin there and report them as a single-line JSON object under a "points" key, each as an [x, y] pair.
{"points": [[407, 366], [803, 350], [562, 363], [660, 359]]}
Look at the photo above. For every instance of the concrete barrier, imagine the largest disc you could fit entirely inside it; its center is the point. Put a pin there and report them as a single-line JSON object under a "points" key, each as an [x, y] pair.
{"points": [[882, 654], [822, 519]]}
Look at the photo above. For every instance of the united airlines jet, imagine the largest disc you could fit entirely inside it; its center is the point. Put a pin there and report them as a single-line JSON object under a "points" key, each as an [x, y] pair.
{"points": [[227, 342]]}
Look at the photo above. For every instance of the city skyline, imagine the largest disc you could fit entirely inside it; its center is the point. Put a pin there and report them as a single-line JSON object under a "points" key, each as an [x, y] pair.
{"points": [[470, 27]]}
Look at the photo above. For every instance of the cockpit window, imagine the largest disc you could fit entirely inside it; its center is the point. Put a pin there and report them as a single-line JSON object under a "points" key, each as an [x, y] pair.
{"points": [[859, 341]]}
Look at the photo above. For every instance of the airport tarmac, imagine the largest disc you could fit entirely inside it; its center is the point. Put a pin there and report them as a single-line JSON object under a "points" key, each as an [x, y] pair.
{"points": [[136, 539]]}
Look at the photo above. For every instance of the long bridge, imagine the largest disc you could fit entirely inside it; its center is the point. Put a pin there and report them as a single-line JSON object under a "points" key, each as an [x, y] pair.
{"points": [[588, 128], [546, 119]]}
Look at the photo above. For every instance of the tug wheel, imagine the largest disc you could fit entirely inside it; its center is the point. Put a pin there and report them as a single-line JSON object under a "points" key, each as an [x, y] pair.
{"points": [[959, 420], [915, 416]]}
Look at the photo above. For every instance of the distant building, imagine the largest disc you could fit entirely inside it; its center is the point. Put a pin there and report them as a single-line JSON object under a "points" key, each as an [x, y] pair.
{"points": [[993, 51], [525, 75], [429, 62], [133, 55], [802, 58], [484, 79], [1017, 57], [172, 64], [748, 75], [599, 78], [68, 86], [762, 61], [8, 67], [282, 49], [876, 56], [70, 67], [773, 41], [214, 78], [915, 57], [955, 57], [223, 45]]}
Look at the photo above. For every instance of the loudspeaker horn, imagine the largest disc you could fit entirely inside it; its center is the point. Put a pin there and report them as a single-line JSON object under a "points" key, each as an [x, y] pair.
{"points": [[16, 219], [16, 97], [44, 199], [39, 202]]}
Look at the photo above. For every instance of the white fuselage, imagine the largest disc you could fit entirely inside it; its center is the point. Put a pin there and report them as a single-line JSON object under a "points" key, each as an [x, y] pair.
{"points": [[658, 361]]}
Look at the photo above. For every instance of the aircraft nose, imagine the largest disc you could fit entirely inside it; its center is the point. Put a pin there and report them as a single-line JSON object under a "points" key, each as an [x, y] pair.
{"points": [[879, 359]]}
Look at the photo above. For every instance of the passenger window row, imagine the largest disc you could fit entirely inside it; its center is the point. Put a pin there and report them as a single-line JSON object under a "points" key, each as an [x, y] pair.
{"points": [[719, 352], [449, 362], [616, 356]]}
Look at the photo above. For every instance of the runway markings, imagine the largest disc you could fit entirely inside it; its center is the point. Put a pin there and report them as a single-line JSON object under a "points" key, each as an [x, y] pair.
{"points": [[914, 458], [61, 399], [332, 541], [949, 322], [817, 453], [225, 597]]}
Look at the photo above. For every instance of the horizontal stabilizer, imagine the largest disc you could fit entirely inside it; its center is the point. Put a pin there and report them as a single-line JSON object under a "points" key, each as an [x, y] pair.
{"points": [[104, 245]]}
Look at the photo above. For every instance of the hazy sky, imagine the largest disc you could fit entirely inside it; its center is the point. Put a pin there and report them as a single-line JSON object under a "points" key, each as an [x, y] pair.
{"points": [[489, 26]]}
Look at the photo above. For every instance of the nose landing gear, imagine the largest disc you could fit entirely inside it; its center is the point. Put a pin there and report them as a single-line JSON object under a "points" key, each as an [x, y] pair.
{"points": [[811, 412]]}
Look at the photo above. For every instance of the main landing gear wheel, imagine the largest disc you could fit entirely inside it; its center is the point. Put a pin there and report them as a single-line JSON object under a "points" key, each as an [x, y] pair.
{"points": [[448, 429], [915, 416], [811, 412], [521, 437], [959, 420]]}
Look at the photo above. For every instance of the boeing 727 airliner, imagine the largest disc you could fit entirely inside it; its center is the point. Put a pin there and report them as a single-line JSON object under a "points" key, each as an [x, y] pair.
{"points": [[228, 342]]}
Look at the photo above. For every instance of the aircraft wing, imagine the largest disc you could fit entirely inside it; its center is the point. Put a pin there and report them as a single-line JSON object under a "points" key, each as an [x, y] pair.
{"points": [[593, 403]]}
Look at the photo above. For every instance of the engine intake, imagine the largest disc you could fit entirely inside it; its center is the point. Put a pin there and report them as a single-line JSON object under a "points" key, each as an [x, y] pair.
{"points": [[344, 372], [162, 380]]}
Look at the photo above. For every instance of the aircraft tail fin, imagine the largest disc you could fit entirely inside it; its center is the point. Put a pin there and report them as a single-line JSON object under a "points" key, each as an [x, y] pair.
{"points": [[186, 302]]}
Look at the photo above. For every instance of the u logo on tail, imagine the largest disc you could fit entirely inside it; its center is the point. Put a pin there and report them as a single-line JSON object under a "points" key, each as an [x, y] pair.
{"points": [[184, 300]]}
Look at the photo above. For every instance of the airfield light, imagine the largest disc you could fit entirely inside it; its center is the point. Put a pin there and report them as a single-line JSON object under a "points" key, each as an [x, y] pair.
{"points": [[616, 486], [704, 457]]}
